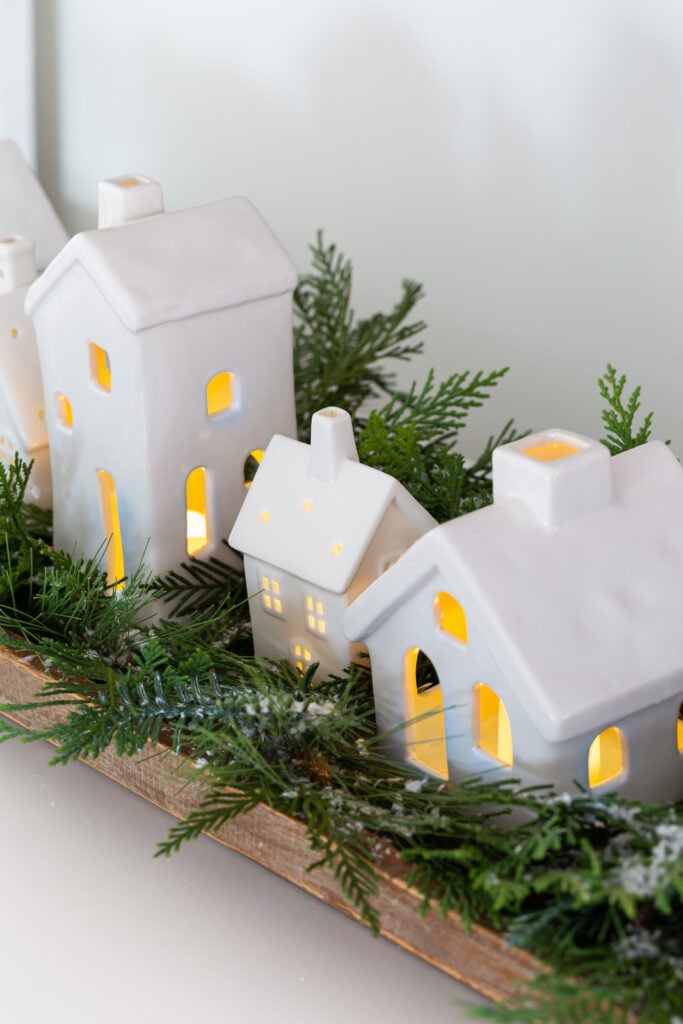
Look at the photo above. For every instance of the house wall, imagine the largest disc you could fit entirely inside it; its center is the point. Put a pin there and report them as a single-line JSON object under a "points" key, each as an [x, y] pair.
{"points": [[108, 429], [276, 634]]}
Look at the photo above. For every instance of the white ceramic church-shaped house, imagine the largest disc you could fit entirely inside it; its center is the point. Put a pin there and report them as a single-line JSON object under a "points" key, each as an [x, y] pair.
{"points": [[22, 408], [543, 632], [165, 342], [316, 528]]}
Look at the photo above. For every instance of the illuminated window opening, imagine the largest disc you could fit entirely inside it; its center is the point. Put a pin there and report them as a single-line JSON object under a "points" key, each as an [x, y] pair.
{"points": [[65, 413], [112, 529], [219, 394], [270, 595], [196, 509], [306, 507], [251, 465], [426, 731], [492, 732], [303, 657], [450, 616], [336, 549], [679, 730], [607, 757], [100, 366], [315, 615], [552, 451], [15, 332]]}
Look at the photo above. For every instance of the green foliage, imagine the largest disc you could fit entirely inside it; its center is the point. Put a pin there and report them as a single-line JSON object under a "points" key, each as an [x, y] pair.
{"points": [[339, 359], [593, 886], [618, 418]]}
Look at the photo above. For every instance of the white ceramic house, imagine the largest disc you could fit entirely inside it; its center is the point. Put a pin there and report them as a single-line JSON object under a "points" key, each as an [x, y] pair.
{"points": [[316, 528], [542, 636], [22, 408], [165, 342]]}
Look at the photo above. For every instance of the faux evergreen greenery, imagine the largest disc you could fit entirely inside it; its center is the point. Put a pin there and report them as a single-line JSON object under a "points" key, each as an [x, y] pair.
{"points": [[592, 886]]}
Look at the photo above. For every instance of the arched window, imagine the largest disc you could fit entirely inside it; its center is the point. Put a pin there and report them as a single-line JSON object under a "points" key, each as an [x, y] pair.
{"points": [[65, 413], [112, 529], [196, 511], [491, 725], [607, 757], [426, 731], [450, 617], [219, 393], [251, 465], [679, 730]]}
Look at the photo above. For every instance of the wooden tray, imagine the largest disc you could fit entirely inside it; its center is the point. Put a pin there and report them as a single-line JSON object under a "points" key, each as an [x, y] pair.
{"points": [[478, 958]]}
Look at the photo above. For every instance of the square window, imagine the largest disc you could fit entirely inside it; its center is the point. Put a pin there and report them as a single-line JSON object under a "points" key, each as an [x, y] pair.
{"points": [[100, 367], [271, 598]]}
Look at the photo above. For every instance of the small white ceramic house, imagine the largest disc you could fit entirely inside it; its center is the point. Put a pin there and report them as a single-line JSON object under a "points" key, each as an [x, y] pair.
{"points": [[316, 528], [165, 342], [22, 409], [542, 636]]}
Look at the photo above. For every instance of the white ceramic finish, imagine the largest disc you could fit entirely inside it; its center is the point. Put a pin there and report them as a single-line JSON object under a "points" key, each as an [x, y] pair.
{"points": [[173, 300], [22, 407], [130, 197], [316, 528], [24, 207], [576, 628]]}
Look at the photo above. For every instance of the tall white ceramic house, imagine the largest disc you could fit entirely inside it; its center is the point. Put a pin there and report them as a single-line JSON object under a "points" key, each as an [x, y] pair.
{"points": [[165, 342], [22, 408], [316, 528], [543, 632]]}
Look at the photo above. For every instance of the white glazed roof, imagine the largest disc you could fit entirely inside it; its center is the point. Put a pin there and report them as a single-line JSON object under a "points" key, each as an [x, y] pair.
{"points": [[586, 620], [176, 265], [346, 512], [24, 208]]}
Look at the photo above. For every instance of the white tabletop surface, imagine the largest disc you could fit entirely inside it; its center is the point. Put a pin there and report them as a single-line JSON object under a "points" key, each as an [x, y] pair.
{"points": [[95, 930]]}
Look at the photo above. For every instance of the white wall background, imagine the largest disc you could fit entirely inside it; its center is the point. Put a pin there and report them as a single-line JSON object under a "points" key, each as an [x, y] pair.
{"points": [[17, 77], [524, 160]]}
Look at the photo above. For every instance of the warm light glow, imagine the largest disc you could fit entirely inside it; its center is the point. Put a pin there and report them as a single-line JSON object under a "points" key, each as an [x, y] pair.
{"points": [[219, 394], [551, 451], [64, 410], [336, 549], [450, 616], [492, 730], [679, 735], [129, 183], [426, 738], [315, 616], [100, 366], [14, 332], [251, 465], [606, 757], [306, 507], [264, 517], [197, 519], [112, 529], [303, 657]]}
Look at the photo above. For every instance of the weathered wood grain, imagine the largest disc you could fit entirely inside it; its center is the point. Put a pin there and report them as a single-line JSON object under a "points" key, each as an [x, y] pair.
{"points": [[478, 958]]}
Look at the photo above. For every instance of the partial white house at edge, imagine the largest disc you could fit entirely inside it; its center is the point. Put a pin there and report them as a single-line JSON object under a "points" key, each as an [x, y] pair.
{"points": [[316, 528], [22, 408], [165, 342], [543, 633]]}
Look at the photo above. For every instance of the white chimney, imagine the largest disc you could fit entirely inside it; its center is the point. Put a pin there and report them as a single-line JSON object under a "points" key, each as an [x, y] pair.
{"points": [[130, 197], [332, 443], [17, 263], [558, 475]]}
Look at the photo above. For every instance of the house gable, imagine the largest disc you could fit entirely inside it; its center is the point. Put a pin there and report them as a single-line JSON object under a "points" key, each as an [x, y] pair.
{"points": [[25, 208]]}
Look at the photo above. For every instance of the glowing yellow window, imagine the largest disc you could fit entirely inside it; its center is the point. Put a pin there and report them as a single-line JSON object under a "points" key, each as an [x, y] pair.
{"points": [[450, 616], [270, 595], [65, 413], [302, 657], [251, 465], [607, 757], [551, 451], [100, 366], [679, 730], [112, 529], [491, 725], [426, 728], [219, 394], [315, 615], [196, 511]]}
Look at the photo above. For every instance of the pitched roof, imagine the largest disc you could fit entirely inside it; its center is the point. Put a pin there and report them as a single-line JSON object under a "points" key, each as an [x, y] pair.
{"points": [[21, 383], [176, 265], [317, 529], [24, 207], [586, 619]]}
